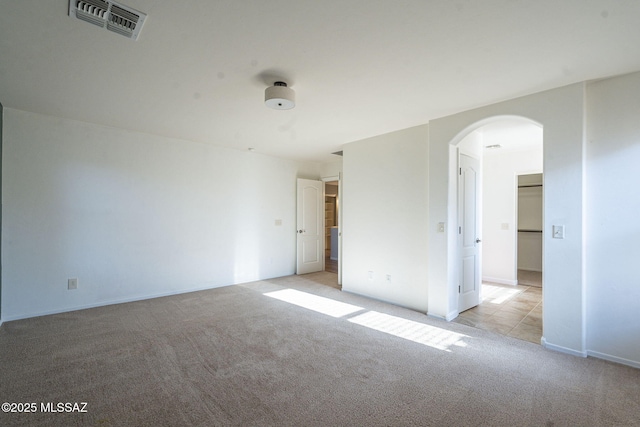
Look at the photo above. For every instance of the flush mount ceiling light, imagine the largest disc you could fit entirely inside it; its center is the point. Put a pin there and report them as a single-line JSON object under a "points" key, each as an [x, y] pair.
{"points": [[493, 147], [280, 97]]}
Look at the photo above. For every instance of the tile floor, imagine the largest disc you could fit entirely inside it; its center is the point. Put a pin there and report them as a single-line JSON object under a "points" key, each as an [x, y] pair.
{"points": [[515, 311]]}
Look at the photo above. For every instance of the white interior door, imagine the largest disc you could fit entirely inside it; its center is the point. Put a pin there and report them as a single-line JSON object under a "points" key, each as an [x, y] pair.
{"points": [[468, 233], [310, 226]]}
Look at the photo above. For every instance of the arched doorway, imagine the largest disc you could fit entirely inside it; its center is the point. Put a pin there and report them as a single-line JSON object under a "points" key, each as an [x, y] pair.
{"points": [[561, 112], [490, 159]]}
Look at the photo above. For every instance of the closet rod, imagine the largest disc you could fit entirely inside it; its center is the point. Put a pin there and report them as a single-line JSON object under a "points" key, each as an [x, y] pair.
{"points": [[529, 231], [529, 186]]}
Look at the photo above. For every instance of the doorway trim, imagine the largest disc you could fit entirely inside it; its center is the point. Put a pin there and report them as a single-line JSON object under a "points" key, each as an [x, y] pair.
{"points": [[309, 226], [339, 179]]}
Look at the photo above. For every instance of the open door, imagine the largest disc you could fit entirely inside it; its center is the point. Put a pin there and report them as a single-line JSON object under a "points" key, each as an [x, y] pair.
{"points": [[310, 226], [468, 228]]}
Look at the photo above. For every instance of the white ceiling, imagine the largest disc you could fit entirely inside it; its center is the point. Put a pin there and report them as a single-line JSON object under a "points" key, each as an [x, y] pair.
{"points": [[511, 135], [359, 67]]}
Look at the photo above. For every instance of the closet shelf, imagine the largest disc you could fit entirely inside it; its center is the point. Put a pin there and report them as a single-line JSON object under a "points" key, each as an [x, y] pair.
{"points": [[530, 186]]}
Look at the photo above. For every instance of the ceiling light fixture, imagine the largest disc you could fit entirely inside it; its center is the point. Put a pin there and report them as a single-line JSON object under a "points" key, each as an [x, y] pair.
{"points": [[493, 147], [280, 97]]}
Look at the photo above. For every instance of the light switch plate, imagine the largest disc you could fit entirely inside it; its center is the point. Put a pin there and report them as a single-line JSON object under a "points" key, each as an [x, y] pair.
{"points": [[558, 231], [441, 227]]}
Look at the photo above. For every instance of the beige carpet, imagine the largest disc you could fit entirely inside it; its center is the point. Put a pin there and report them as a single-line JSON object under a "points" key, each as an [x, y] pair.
{"points": [[235, 356]]}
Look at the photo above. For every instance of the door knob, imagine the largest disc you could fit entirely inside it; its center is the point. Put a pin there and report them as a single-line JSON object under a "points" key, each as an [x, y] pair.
{"points": [[478, 240]]}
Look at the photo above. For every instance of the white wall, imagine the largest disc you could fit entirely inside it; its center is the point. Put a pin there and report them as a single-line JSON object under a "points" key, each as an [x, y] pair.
{"points": [[384, 217], [133, 215], [499, 207], [331, 169], [472, 145], [612, 225]]}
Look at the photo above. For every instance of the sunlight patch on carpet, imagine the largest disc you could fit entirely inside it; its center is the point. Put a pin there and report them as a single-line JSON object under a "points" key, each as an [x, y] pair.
{"points": [[314, 302], [431, 336]]}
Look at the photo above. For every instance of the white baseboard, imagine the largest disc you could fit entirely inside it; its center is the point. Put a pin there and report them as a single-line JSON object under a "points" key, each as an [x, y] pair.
{"points": [[500, 281], [590, 353], [109, 302], [452, 315], [616, 359], [562, 349], [437, 316], [448, 318]]}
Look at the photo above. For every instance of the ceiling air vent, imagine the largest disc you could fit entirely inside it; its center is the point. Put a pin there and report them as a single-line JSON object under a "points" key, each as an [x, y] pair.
{"points": [[111, 15]]}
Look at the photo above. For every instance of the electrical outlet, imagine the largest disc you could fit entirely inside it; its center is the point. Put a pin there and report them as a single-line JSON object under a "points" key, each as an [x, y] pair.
{"points": [[72, 284], [441, 227], [370, 275], [388, 277]]}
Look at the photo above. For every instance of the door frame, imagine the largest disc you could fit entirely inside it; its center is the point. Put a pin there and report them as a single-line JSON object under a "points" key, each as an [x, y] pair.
{"points": [[516, 210], [301, 232], [339, 203]]}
